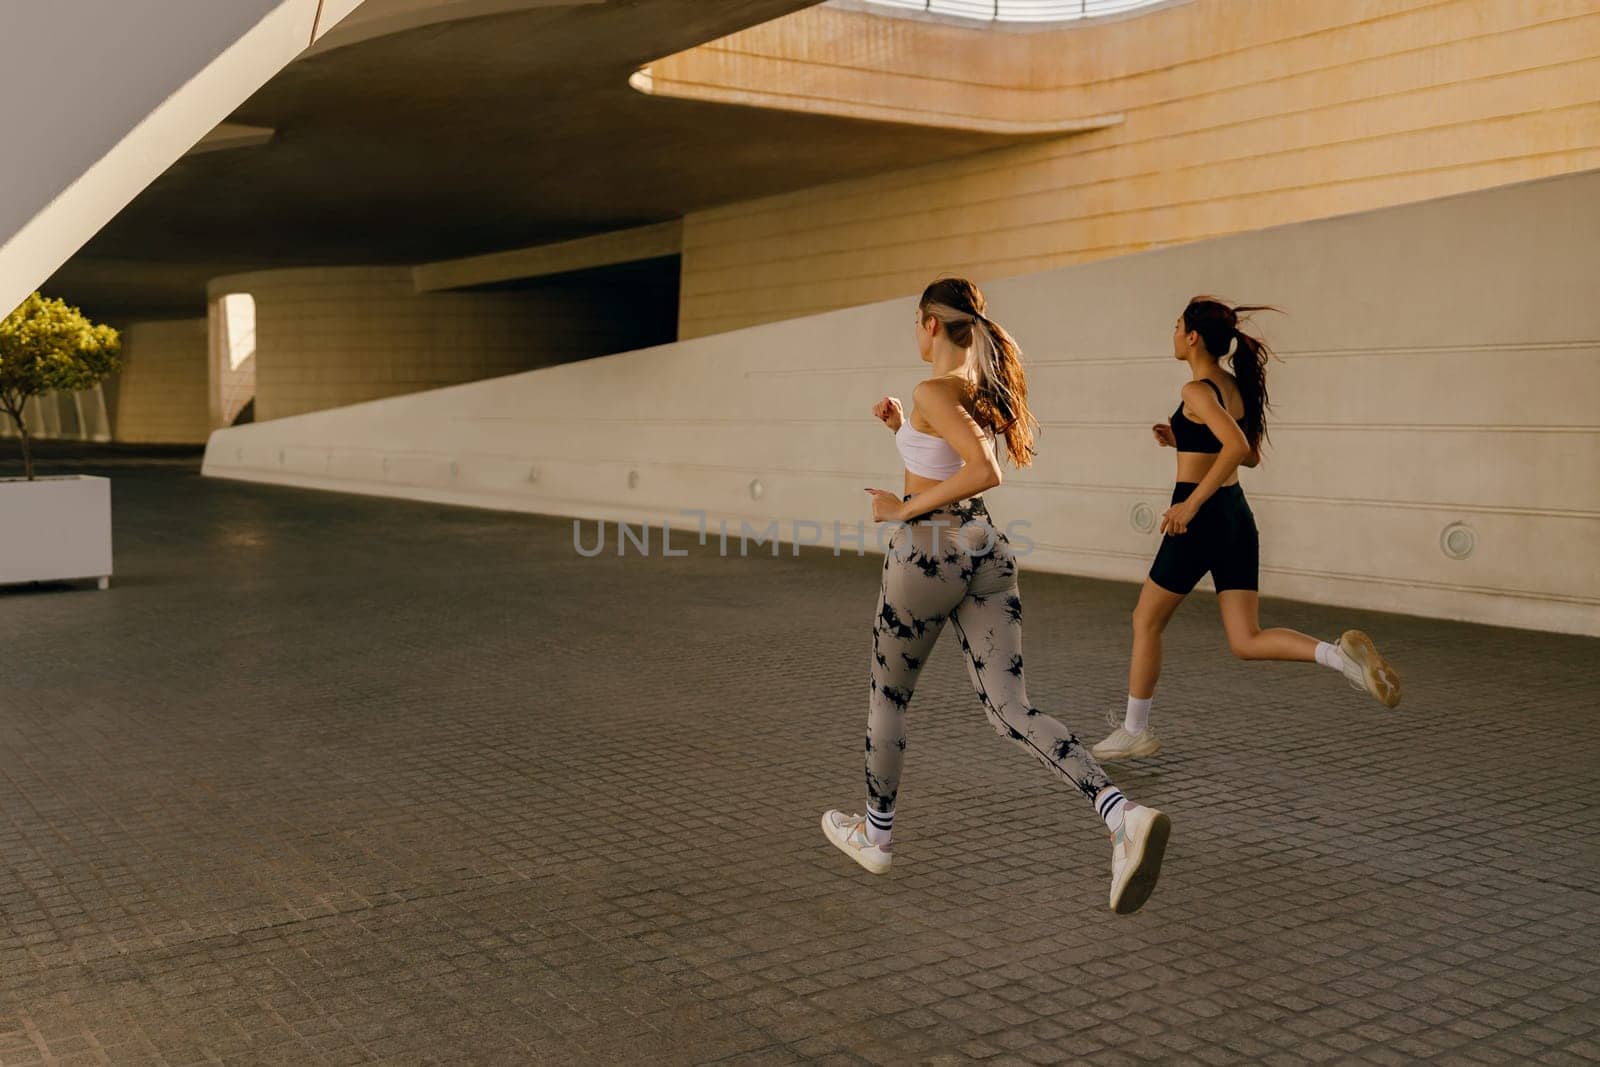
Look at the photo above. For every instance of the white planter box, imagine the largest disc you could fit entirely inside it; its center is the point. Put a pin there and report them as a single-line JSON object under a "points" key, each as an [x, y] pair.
{"points": [[55, 529]]}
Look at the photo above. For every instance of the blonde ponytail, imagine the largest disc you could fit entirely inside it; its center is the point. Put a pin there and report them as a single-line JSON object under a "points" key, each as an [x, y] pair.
{"points": [[1000, 396]]}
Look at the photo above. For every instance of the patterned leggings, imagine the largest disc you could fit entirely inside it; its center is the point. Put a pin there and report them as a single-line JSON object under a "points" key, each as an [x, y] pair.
{"points": [[963, 570]]}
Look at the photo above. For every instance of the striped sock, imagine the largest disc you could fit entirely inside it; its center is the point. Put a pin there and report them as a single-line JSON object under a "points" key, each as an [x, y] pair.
{"points": [[880, 826], [1110, 803]]}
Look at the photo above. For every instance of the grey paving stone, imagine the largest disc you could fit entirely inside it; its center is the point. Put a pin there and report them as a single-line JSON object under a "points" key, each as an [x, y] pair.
{"points": [[339, 780]]}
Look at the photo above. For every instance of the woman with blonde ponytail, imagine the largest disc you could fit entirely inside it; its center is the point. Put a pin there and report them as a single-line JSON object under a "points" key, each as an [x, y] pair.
{"points": [[947, 562], [1210, 527]]}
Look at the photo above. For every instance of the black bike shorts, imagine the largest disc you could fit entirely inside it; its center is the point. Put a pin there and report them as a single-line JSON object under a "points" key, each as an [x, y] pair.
{"points": [[1222, 539]]}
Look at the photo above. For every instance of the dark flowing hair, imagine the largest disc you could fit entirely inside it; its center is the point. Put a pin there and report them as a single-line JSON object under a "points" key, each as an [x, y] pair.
{"points": [[1000, 401], [1217, 323]]}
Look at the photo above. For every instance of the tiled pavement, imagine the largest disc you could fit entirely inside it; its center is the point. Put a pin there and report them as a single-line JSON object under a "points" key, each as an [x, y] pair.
{"points": [[328, 779]]}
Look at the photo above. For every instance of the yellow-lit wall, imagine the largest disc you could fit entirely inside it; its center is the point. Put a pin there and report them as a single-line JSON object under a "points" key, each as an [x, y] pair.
{"points": [[1238, 115], [161, 394], [330, 336]]}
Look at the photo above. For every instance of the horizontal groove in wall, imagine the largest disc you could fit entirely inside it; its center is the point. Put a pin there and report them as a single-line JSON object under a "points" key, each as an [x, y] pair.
{"points": [[692, 273], [1158, 492], [1454, 587], [845, 235], [1278, 425], [334, 481], [1303, 572], [1342, 503], [874, 190], [763, 304], [1284, 353]]}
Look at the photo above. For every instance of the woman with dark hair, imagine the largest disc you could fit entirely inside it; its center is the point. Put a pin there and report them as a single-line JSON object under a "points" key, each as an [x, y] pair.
{"points": [[1209, 526], [947, 562]]}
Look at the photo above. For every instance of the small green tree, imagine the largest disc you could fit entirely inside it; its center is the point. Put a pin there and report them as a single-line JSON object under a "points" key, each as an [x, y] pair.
{"points": [[46, 346]]}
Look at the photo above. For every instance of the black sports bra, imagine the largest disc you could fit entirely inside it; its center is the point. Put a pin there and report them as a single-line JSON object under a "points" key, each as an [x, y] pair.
{"points": [[1197, 436]]}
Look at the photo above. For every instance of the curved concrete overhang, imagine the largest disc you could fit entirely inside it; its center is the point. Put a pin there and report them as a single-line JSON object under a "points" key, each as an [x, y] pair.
{"points": [[368, 20], [653, 83], [379, 18]]}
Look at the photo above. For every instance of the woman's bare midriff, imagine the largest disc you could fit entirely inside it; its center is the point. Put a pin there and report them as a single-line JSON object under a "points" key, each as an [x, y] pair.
{"points": [[1194, 466]]}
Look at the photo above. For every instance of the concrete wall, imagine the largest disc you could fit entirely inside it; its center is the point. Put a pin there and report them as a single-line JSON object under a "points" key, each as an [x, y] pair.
{"points": [[1441, 367], [1237, 115], [326, 337], [161, 394]]}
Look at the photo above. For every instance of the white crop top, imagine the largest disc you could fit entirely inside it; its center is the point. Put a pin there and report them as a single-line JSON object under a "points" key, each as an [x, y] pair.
{"points": [[924, 454]]}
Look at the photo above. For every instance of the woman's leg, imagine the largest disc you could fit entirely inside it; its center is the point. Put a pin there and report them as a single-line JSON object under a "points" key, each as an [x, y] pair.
{"points": [[920, 585], [1241, 619], [989, 623], [1354, 655], [1180, 562], [1150, 617], [1134, 738], [911, 613]]}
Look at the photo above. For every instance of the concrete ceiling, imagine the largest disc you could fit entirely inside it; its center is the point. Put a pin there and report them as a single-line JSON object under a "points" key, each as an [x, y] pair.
{"points": [[469, 137]]}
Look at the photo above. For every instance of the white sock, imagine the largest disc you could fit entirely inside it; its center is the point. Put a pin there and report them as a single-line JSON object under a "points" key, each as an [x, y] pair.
{"points": [[1111, 804], [1138, 716], [1330, 656], [880, 826]]}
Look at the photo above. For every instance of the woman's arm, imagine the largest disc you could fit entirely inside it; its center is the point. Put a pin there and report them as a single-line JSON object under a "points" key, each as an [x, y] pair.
{"points": [[940, 403], [1235, 450], [887, 411]]}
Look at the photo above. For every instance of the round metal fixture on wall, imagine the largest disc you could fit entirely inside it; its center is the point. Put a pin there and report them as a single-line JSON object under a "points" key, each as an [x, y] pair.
{"points": [[757, 490], [1142, 517], [1458, 540]]}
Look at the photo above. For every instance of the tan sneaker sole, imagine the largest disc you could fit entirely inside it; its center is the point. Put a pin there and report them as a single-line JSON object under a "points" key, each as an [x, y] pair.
{"points": [[874, 865], [1148, 747], [1383, 681], [1144, 866]]}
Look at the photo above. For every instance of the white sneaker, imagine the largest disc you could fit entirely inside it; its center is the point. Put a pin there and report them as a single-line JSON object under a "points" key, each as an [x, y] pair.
{"points": [[1124, 745], [1367, 670], [849, 835], [1136, 851]]}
